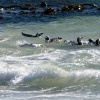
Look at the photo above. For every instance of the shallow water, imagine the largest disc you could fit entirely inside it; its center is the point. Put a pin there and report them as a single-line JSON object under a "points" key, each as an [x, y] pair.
{"points": [[55, 71]]}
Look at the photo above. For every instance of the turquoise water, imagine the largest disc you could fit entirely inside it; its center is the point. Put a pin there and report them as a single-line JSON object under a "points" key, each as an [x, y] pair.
{"points": [[56, 71]]}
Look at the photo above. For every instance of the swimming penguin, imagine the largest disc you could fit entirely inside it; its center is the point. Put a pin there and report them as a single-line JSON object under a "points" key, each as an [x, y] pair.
{"points": [[47, 39], [79, 41]]}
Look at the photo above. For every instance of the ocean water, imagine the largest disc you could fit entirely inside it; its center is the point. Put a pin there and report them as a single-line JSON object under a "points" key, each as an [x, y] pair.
{"points": [[56, 71]]}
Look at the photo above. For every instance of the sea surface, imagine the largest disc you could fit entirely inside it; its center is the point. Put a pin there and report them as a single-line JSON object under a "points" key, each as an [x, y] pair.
{"points": [[56, 71]]}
